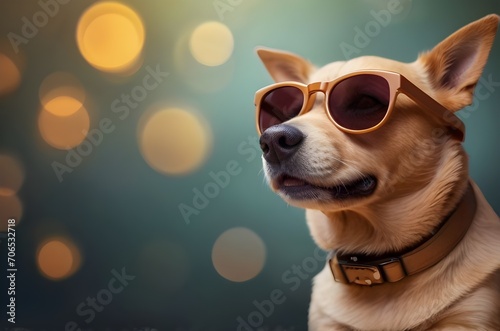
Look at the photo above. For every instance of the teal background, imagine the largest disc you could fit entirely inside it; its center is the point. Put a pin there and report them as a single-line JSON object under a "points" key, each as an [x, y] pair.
{"points": [[113, 205]]}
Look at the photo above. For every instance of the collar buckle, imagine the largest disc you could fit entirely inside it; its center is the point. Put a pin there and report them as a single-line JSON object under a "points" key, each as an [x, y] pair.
{"points": [[362, 274], [350, 271]]}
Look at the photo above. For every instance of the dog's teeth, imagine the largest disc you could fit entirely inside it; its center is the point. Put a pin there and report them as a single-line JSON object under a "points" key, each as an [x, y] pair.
{"points": [[293, 182]]}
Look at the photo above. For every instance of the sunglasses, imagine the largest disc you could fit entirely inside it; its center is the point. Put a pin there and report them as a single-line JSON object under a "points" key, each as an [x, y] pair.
{"points": [[356, 103]]}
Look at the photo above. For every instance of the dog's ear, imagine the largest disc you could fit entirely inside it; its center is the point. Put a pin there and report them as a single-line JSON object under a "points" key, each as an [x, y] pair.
{"points": [[455, 65], [285, 66]]}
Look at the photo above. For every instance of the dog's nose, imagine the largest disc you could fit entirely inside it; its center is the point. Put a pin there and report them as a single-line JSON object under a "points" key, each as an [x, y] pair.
{"points": [[280, 142]]}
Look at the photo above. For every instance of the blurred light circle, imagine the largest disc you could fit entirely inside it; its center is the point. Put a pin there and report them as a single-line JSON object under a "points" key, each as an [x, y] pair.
{"points": [[61, 94], [10, 75], [63, 105], [11, 175], [200, 77], [211, 43], [238, 254], [58, 258], [64, 132], [174, 141], [110, 36], [10, 207]]}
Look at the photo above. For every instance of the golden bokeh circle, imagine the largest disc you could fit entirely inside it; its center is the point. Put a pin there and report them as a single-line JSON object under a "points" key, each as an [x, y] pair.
{"points": [[10, 75], [63, 105], [64, 132], [11, 175], [205, 79], [238, 254], [174, 141], [10, 207], [211, 43], [110, 36], [61, 93], [58, 258]]}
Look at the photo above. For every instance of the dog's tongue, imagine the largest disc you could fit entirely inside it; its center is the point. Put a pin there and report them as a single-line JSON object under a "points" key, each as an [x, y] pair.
{"points": [[291, 181]]}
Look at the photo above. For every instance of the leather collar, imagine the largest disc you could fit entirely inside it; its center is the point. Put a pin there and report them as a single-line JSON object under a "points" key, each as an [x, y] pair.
{"points": [[372, 270]]}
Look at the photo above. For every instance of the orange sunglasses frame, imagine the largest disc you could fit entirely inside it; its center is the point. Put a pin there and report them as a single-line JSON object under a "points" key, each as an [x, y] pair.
{"points": [[397, 84]]}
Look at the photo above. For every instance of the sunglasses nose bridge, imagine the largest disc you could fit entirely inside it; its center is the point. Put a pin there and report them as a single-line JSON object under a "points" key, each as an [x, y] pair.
{"points": [[312, 89], [317, 87]]}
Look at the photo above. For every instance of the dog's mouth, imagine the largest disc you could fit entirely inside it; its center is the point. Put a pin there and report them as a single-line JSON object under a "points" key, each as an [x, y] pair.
{"points": [[299, 189]]}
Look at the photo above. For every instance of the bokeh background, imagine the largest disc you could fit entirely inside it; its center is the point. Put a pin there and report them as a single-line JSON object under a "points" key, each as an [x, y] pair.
{"points": [[128, 146]]}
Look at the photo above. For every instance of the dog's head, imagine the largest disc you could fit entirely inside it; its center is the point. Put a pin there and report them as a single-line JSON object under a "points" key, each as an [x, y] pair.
{"points": [[373, 165], [313, 163]]}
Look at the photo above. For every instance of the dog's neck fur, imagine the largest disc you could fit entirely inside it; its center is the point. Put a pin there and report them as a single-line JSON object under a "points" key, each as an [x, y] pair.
{"points": [[381, 227]]}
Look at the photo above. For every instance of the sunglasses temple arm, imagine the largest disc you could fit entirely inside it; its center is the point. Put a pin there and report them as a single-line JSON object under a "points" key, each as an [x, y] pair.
{"points": [[433, 107]]}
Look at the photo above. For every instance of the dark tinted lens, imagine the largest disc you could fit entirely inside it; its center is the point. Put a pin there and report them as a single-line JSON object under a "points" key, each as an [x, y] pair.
{"points": [[280, 105], [359, 102]]}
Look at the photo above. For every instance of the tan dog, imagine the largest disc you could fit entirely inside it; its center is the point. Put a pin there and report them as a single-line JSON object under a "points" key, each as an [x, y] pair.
{"points": [[414, 245]]}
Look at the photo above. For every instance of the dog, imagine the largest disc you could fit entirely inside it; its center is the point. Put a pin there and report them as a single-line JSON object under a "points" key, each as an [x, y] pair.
{"points": [[372, 150]]}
